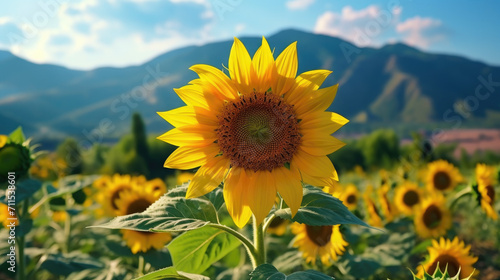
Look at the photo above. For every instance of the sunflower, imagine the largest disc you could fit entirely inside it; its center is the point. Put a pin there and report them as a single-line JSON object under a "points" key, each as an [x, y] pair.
{"points": [[407, 196], [278, 226], [374, 218], [112, 190], [260, 131], [451, 254], [323, 241], [3, 140], [432, 218], [485, 177], [59, 216], [350, 197], [442, 176], [388, 208], [136, 201]]}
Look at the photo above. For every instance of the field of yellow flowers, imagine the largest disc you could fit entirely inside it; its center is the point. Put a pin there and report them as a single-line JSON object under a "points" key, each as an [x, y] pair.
{"points": [[259, 198]]}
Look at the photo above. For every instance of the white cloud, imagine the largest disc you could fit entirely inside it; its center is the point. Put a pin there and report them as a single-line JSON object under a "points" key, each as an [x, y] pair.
{"points": [[299, 4], [421, 32], [239, 27], [362, 27]]}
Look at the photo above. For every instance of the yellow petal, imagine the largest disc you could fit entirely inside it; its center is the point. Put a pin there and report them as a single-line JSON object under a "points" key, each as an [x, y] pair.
{"points": [[221, 85], [290, 188], [191, 157], [235, 196], [240, 65], [195, 95], [318, 100], [208, 177], [315, 166], [190, 135], [320, 144], [265, 68], [305, 84], [189, 115], [287, 65], [328, 122], [261, 194]]}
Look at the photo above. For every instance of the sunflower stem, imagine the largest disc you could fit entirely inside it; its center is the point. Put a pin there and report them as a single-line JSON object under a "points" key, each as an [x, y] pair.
{"points": [[251, 249], [463, 193], [140, 268], [268, 222], [20, 242], [258, 241]]}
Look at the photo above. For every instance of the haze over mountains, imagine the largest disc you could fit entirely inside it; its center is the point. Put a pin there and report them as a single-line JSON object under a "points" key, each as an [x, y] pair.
{"points": [[395, 83]]}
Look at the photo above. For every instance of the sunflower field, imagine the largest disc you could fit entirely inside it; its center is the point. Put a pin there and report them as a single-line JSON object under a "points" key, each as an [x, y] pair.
{"points": [[244, 187]]}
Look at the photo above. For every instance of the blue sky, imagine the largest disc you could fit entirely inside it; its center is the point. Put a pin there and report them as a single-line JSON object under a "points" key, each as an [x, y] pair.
{"points": [[85, 34]]}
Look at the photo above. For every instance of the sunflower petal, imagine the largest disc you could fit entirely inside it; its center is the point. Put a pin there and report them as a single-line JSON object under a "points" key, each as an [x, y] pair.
{"points": [[320, 144], [190, 135], [191, 157], [240, 65], [287, 65], [327, 122], [261, 194], [194, 95], [318, 101], [208, 177], [189, 115], [316, 166], [306, 83], [235, 196], [290, 188], [265, 68], [221, 84]]}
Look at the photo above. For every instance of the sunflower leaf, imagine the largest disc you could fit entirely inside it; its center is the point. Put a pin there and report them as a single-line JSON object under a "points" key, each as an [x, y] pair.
{"points": [[24, 189], [172, 212], [196, 250], [320, 209], [269, 272], [170, 273], [17, 136]]}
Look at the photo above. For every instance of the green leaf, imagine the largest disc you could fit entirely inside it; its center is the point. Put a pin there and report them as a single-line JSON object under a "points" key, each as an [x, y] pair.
{"points": [[196, 250], [170, 273], [172, 212], [320, 209], [216, 197], [357, 266], [24, 189], [240, 272], [64, 265], [421, 247], [17, 136], [289, 261], [269, 272]]}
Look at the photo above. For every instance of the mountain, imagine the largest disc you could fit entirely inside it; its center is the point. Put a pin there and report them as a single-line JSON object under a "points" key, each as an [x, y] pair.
{"points": [[394, 83]]}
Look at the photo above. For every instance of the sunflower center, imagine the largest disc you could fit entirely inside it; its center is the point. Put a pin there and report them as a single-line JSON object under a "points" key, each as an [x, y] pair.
{"points": [[453, 265], [138, 206], [351, 199], [319, 235], [411, 198], [258, 131], [442, 180], [116, 194], [432, 216], [490, 192], [276, 222]]}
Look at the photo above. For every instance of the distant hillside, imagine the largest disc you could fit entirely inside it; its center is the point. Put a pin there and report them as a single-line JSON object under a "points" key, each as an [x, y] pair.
{"points": [[395, 83]]}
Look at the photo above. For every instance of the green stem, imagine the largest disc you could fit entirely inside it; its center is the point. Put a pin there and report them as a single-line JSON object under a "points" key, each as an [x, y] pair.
{"points": [[67, 232], [20, 242], [140, 268], [463, 193], [251, 250], [258, 241], [268, 222]]}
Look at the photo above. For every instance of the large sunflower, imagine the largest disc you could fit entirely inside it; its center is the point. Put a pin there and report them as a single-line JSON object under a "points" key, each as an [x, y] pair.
{"points": [[442, 176], [451, 254], [260, 131], [407, 196], [136, 201], [485, 177], [432, 218], [323, 241]]}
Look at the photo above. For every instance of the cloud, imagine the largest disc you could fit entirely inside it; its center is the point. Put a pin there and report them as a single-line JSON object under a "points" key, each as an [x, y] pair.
{"points": [[11, 32], [239, 27], [421, 32], [362, 27], [60, 40], [299, 4]]}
